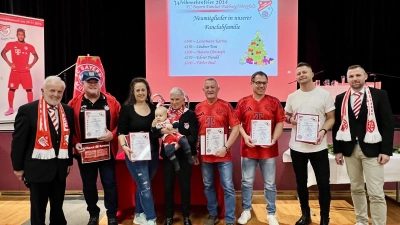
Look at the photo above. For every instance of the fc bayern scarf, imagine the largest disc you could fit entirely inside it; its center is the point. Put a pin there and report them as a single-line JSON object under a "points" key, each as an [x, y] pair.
{"points": [[175, 114], [43, 146], [372, 134]]}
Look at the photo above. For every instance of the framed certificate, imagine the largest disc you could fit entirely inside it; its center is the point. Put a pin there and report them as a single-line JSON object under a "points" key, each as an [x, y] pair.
{"points": [[95, 151], [307, 128], [214, 140], [261, 132], [139, 143], [95, 123]]}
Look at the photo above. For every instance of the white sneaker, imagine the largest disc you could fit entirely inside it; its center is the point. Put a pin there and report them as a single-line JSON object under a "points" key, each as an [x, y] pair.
{"points": [[244, 217], [140, 219], [151, 222], [272, 220]]}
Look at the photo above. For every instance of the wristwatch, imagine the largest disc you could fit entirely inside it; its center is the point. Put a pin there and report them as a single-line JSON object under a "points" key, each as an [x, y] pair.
{"points": [[226, 149], [124, 145], [324, 131]]}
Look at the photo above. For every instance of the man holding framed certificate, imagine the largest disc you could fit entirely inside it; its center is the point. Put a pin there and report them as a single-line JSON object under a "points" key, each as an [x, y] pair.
{"points": [[262, 119], [311, 111], [215, 116], [96, 144]]}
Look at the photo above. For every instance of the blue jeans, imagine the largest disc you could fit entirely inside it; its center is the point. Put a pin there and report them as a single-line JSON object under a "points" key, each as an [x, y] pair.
{"points": [[89, 173], [225, 173], [268, 169], [142, 172]]}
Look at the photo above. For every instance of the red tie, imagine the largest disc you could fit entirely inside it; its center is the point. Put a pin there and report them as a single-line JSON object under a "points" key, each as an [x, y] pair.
{"points": [[52, 113], [357, 104]]}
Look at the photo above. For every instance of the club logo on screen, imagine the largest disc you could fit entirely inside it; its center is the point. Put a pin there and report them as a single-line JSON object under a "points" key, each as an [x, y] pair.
{"points": [[264, 8], [5, 29]]}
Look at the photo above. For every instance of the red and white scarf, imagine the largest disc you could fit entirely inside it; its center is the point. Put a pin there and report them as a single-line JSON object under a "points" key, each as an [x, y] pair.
{"points": [[175, 114], [372, 134], [43, 146]]}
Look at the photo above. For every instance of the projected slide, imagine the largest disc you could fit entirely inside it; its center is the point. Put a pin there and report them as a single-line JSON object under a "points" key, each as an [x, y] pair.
{"points": [[222, 38], [188, 41]]}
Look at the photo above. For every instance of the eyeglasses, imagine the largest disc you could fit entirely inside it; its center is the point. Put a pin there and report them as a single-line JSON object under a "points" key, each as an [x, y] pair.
{"points": [[259, 83]]}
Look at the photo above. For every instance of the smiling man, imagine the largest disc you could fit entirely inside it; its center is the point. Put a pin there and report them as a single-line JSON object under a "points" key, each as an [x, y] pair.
{"points": [[92, 99], [217, 113], [363, 139], [41, 150], [20, 67], [310, 100], [250, 109]]}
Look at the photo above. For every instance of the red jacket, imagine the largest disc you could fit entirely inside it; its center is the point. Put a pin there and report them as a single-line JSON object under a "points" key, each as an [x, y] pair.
{"points": [[114, 105]]}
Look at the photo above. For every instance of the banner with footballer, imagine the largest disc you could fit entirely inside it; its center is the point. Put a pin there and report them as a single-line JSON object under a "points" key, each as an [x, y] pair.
{"points": [[21, 63]]}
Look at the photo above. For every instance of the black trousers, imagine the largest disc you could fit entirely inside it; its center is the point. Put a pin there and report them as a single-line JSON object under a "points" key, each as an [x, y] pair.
{"points": [[89, 173], [320, 163], [184, 178], [40, 194]]}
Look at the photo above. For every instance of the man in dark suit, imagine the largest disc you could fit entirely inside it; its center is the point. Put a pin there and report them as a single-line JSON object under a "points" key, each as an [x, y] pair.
{"points": [[363, 135], [41, 152]]}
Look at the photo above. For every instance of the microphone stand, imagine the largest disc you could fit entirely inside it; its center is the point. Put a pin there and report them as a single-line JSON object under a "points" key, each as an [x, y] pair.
{"points": [[372, 74], [65, 79]]}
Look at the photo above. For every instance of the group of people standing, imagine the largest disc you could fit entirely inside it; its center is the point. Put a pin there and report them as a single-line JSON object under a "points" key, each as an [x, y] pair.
{"points": [[42, 151]]}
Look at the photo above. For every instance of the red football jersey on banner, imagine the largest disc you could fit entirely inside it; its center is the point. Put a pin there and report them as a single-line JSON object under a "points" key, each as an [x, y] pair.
{"points": [[268, 108], [218, 114], [20, 53]]}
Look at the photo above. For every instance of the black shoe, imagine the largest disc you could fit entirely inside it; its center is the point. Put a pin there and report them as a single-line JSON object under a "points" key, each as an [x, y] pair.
{"points": [[112, 221], [305, 219], [186, 221], [324, 221], [93, 220], [169, 221]]}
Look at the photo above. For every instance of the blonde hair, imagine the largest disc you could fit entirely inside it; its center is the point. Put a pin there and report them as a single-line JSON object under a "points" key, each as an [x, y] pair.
{"points": [[161, 109]]}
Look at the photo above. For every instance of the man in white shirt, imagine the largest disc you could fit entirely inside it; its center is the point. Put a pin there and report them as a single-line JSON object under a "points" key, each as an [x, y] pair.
{"points": [[310, 99]]}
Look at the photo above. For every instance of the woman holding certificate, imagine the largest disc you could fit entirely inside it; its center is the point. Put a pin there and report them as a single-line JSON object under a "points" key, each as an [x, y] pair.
{"points": [[186, 122], [140, 146]]}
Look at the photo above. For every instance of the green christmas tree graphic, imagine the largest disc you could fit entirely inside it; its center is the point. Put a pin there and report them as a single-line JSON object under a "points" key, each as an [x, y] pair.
{"points": [[256, 53]]}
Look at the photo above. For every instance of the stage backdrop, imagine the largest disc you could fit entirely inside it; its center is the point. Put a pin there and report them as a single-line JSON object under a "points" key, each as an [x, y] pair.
{"points": [[189, 41], [34, 35]]}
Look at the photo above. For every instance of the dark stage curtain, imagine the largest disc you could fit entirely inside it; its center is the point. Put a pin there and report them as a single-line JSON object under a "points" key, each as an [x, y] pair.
{"points": [[332, 36]]}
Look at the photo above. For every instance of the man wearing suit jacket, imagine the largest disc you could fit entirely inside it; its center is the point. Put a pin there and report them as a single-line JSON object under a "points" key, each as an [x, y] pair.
{"points": [[41, 152], [363, 135]]}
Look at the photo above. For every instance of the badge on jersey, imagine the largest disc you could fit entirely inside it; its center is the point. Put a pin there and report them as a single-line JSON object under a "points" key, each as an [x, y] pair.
{"points": [[186, 125]]}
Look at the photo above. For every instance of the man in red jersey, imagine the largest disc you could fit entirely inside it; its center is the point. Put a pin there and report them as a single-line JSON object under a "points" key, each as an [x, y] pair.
{"points": [[217, 113], [20, 67], [257, 148]]}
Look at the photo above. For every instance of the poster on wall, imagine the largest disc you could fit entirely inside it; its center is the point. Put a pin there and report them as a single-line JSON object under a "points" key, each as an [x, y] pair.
{"points": [[21, 64]]}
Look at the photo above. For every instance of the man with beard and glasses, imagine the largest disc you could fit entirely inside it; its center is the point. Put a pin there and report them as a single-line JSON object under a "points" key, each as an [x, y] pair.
{"points": [[250, 109]]}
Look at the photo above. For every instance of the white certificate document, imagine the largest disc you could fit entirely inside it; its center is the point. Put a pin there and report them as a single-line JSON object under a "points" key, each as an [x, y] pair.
{"points": [[95, 123], [215, 139], [140, 146], [307, 128], [261, 132]]}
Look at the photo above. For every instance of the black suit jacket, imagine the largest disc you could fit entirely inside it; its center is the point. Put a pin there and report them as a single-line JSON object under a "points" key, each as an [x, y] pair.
{"points": [[384, 119], [23, 142]]}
